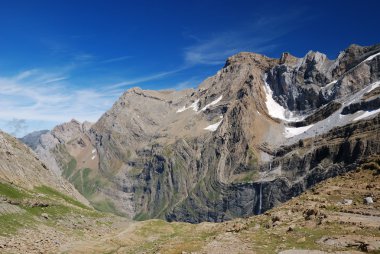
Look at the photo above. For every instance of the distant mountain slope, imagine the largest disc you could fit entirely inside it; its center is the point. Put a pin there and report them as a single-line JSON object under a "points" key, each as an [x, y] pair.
{"points": [[256, 134], [32, 139], [21, 167]]}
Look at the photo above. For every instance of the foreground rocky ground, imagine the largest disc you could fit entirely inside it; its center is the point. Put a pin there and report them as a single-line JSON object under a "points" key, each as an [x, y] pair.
{"points": [[340, 215]]}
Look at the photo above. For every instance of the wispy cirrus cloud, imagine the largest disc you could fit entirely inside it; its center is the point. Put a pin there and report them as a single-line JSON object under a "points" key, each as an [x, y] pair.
{"points": [[116, 59], [188, 83], [39, 96], [143, 79], [257, 36]]}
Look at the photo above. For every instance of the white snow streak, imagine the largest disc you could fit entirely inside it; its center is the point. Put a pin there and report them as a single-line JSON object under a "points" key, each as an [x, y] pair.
{"points": [[369, 58], [373, 86], [366, 114], [212, 103], [213, 127], [193, 106], [293, 131], [372, 57], [330, 84], [93, 151], [93, 157], [275, 109], [181, 109]]}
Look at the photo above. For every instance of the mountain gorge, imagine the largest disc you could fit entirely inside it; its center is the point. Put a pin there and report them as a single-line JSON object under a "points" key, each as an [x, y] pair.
{"points": [[258, 133]]}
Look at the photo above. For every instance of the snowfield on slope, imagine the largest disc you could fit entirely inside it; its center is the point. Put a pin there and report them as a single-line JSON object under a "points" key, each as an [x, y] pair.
{"points": [[275, 109], [193, 106], [366, 114], [294, 131], [212, 103], [213, 127], [336, 119]]}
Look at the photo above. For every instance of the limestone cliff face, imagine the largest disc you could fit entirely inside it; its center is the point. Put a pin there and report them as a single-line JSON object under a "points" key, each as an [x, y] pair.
{"points": [[256, 134]]}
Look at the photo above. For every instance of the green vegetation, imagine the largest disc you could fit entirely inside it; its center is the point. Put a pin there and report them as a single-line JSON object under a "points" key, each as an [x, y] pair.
{"points": [[135, 171], [246, 177], [252, 160], [187, 237], [106, 205], [56, 194], [86, 182], [250, 176], [54, 211], [178, 165], [10, 223], [10, 191], [141, 216], [69, 168], [28, 216]]}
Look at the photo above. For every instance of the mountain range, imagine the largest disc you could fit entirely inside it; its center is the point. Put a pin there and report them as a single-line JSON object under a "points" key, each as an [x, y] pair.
{"points": [[282, 153], [258, 133]]}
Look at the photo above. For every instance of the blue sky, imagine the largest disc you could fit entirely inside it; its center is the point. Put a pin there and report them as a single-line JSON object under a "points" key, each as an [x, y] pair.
{"points": [[72, 59]]}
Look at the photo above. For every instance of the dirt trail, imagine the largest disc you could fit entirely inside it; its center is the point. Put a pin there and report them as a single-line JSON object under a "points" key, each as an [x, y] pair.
{"points": [[108, 243]]}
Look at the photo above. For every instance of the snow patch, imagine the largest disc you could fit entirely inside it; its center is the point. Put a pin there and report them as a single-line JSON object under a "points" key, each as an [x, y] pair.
{"points": [[213, 127], [93, 151], [212, 103], [369, 58], [330, 84], [193, 106], [372, 57], [366, 114], [93, 157], [181, 109], [373, 86], [358, 96], [276, 110], [294, 131]]}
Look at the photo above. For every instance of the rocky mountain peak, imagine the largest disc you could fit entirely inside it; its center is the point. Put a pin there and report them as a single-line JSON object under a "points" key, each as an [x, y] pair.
{"points": [[251, 59], [288, 59]]}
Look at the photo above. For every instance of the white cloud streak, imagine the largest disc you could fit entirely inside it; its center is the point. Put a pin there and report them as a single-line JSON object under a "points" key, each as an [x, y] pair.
{"points": [[39, 96], [144, 79], [116, 59], [259, 36]]}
